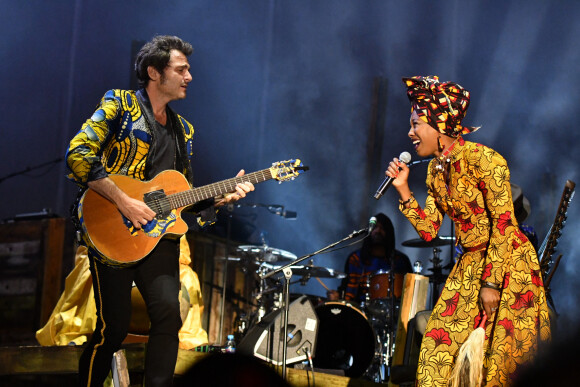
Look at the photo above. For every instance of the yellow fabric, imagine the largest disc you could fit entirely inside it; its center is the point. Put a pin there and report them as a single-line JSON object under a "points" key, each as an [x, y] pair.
{"points": [[477, 197], [74, 317], [191, 334]]}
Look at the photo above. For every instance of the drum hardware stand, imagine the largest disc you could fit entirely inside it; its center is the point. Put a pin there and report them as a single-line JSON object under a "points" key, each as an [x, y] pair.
{"points": [[391, 331], [225, 277], [305, 278], [287, 271], [381, 370], [260, 296], [385, 338], [274, 209]]}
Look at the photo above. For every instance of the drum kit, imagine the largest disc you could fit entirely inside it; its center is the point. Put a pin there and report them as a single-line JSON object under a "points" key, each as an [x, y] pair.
{"points": [[357, 338], [264, 259]]}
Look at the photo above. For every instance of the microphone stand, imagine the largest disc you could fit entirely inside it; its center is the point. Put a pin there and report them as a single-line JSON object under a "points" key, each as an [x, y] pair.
{"points": [[287, 271], [28, 169], [275, 209]]}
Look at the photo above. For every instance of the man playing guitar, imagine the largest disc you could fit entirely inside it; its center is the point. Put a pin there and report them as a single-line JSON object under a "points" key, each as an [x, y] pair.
{"points": [[136, 134]]}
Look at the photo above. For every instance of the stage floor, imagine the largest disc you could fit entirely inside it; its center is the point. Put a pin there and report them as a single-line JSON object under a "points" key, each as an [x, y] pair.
{"points": [[57, 366]]}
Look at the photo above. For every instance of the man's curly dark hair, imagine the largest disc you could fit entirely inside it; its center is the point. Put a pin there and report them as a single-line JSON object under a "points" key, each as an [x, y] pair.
{"points": [[157, 53]]}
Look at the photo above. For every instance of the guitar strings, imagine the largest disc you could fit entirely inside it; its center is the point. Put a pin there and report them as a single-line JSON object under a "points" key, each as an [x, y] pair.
{"points": [[181, 199]]}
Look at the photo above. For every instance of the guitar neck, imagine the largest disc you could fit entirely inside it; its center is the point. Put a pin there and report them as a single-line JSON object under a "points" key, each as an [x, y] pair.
{"points": [[186, 198], [548, 247]]}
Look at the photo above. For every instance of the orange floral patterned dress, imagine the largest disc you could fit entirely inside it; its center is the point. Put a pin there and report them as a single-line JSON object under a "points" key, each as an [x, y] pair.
{"points": [[478, 199]]}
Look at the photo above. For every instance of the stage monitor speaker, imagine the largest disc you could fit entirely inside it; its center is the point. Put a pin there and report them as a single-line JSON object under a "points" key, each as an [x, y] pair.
{"points": [[264, 340]]}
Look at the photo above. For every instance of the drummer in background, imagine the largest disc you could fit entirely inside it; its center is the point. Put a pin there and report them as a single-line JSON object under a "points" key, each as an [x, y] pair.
{"points": [[376, 254]]}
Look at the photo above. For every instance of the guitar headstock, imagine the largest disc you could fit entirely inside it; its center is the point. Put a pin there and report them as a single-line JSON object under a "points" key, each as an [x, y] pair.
{"points": [[287, 170]]}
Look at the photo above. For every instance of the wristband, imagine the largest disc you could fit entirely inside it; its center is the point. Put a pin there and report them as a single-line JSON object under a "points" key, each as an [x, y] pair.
{"points": [[404, 203], [490, 285]]}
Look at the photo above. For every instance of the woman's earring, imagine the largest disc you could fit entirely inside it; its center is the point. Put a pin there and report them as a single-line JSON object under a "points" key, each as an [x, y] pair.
{"points": [[439, 145]]}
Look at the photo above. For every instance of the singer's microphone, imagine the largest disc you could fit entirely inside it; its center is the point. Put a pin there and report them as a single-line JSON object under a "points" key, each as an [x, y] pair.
{"points": [[372, 224], [405, 157]]}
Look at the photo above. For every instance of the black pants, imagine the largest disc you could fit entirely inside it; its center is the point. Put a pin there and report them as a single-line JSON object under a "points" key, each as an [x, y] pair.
{"points": [[157, 278]]}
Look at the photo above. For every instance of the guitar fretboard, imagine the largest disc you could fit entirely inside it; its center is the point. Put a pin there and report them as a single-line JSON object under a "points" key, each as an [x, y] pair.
{"points": [[186, 198], [548, 246]]}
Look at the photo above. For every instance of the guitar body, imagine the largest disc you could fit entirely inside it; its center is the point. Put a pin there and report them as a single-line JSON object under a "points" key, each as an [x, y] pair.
{"points": [[113, 236], [114, 241]]}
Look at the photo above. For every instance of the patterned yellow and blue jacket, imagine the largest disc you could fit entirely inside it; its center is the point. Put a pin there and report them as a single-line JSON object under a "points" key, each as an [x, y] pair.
{"points": [[117, 139]]}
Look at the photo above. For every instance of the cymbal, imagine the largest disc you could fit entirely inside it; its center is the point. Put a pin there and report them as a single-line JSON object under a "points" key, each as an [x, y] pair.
{"points": [[316, 271], [266, 254], [435, 242]]}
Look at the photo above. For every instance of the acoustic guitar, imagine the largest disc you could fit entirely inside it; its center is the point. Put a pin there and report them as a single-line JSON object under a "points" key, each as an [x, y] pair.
{"points": [[116, 242]]}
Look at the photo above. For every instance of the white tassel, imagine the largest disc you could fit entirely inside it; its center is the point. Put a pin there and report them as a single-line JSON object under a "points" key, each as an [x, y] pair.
{"points": [[468, 368]]}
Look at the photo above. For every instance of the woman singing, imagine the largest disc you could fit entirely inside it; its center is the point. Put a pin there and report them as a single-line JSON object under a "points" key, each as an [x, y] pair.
{"points": [[498, 271]]}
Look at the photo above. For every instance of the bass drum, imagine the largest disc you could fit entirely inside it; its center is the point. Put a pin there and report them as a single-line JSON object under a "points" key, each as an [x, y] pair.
{"points": [[345, 339]]}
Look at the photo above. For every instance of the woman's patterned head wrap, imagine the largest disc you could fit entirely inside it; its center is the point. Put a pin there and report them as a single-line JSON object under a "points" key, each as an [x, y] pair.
{"points": [[441, 105]]}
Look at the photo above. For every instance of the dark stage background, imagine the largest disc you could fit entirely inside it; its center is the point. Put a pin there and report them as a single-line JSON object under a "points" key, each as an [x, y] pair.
{"points": [[282, 79]]}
